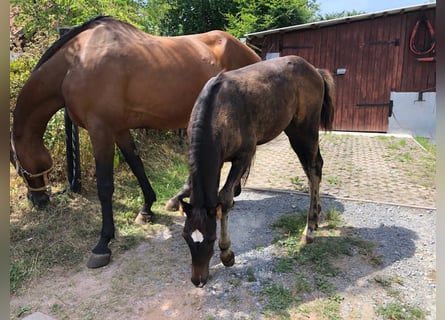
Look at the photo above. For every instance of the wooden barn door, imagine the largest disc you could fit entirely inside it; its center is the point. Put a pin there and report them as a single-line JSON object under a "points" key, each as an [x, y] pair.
{"points": [[371, 54], [364, 90]]}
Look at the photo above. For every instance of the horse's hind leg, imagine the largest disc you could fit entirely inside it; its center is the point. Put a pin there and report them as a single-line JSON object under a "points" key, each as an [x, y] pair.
{"points": [[126, 144], [306, 146]]}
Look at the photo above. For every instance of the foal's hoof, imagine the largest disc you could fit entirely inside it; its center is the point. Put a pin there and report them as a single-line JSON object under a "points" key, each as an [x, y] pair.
{"points": [[228, 258], [172, 205], [97, 260], [308, 236], [307, 239], [143, 218]]}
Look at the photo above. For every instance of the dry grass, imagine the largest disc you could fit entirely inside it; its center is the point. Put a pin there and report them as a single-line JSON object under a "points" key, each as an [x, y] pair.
{"points": [[62, 234]]}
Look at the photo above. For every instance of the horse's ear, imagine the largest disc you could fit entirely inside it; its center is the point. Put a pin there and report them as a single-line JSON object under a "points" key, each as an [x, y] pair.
{"points": [[219, 211], [184, 207]]}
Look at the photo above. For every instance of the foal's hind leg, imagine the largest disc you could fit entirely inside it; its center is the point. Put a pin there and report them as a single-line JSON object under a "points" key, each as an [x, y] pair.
{"points": [[305, 144], [126, 145], [173, 203]]}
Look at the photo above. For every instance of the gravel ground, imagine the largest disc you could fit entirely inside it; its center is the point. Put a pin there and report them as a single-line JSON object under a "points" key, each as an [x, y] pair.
{"points": [[152, 280], [405, 238]]}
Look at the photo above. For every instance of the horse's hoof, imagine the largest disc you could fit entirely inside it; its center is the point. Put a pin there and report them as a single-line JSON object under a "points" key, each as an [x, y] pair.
{"points": [[308, 236], [98, 260], [143, 218], [172, 205], [228, 258]]}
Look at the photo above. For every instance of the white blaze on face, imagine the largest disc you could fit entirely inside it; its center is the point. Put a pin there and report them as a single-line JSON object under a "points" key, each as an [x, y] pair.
{"points": [[197, 236]]}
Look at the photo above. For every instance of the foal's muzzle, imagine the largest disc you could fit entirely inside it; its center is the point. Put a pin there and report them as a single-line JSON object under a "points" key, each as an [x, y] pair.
{"points": [[200, 275]]}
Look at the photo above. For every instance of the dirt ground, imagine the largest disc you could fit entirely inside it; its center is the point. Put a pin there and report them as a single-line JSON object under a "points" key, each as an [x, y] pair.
{"points": [[152, 281]]}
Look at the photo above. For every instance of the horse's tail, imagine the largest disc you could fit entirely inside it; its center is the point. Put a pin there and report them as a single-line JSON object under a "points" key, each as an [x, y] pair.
{"points": [[328, 109], [67, 37]]}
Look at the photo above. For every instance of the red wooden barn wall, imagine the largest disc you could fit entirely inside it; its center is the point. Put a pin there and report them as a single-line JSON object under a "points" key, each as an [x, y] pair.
{"points": [[375, 52]]}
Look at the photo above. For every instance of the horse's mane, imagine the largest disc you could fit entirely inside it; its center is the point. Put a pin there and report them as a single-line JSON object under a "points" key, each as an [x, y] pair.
{"points": [[204, 153], [67, 37]]}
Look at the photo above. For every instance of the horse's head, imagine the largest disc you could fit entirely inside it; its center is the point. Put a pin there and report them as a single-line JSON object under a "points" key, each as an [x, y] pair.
{"points": [[200, 234], [38, 188], [37, 183]]}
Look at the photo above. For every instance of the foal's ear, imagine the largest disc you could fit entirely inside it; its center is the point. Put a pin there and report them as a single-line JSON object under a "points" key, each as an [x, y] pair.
{"points": [[184, 207], [219, 211]]}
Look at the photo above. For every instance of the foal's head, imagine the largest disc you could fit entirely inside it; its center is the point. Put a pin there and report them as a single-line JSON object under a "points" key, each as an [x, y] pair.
{"points": [[200, 234]]}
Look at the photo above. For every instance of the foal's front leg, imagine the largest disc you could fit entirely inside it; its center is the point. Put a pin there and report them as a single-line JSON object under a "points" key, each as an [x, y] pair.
{"points": [[225, 199], [224, 243]]}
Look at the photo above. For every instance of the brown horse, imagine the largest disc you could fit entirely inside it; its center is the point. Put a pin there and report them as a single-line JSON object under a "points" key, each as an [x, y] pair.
{"points": [[235, 112], [111, 77]]}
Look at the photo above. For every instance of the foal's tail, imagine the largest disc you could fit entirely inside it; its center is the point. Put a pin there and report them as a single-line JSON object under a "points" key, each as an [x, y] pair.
{"points": [[328, 109]]}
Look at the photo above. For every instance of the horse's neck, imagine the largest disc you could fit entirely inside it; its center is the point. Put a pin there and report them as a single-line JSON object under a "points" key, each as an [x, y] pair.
{"points": [[39, 99]]}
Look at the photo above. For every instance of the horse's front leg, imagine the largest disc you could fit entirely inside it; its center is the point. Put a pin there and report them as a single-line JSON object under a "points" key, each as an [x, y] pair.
{"points": [[126, 144], [101, 254]]}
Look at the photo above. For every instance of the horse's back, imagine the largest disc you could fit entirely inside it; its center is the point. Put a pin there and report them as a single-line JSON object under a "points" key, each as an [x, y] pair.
{"points": [[265, 97], [148, 80]]}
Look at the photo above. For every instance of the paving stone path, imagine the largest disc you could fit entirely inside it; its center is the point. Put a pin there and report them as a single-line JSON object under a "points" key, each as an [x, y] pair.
{"points": [[369, 167]]}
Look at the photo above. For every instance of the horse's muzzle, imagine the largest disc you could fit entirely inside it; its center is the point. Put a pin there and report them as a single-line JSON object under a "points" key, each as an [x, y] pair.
{"points": [[38, 199]]}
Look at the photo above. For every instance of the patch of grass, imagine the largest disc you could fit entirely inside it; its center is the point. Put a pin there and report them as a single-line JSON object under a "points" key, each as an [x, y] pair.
{"points": [[400, 311], [393, 146], [324, 285], [292, 224], [327, 308], [331, 243], [298, 184], [426, 144], [23, 311], [383, 282], [397, 309], [17, 275], [279, 298], [324, 248], [302, 284], [56, 308], [404, 157], [333, 180], [402, 143], [284, 265], [333, 218], [320, 254]]}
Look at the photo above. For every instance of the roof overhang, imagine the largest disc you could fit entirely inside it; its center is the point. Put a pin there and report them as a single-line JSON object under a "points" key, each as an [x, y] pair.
{"points": [[325, 23]]}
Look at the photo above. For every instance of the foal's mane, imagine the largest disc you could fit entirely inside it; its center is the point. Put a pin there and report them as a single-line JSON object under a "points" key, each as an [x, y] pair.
{"points": [[204, 151], [67, 37]]}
